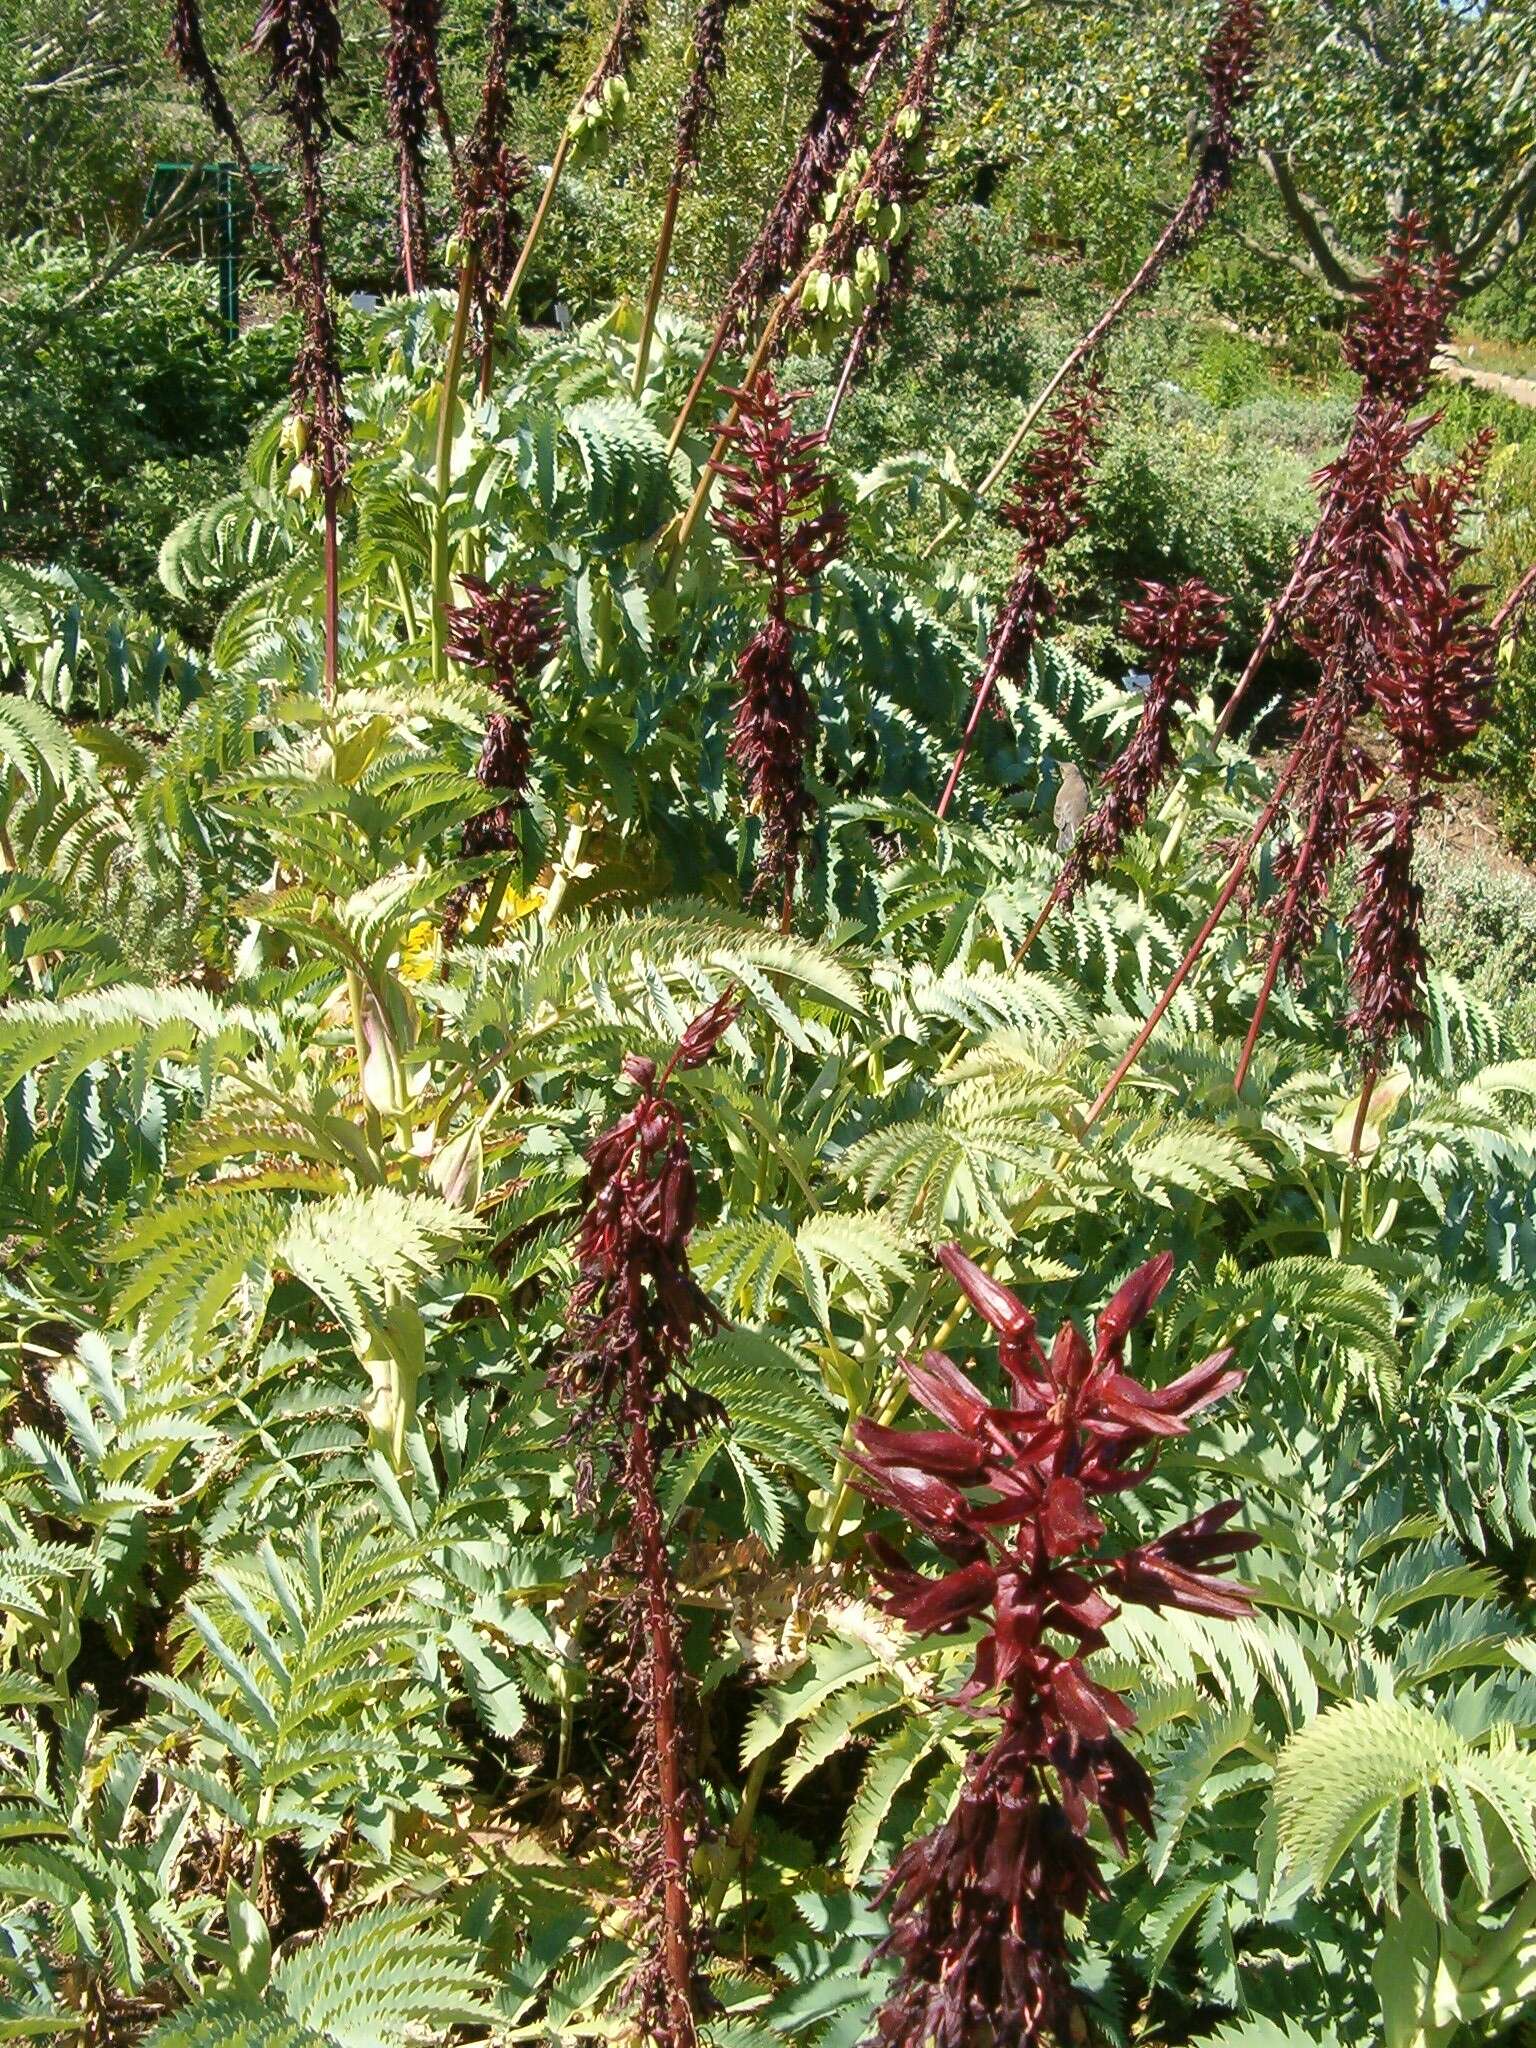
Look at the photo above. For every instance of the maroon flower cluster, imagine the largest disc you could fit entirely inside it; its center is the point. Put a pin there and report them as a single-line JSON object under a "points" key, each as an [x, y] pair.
{"points": [[1394, 338], [508, 636], [301, 41], [841, 35], [1047, 507], [1007, 1492], [1171, 627], [413, 94], [1379, 611], [491, 179], [774, 515], [636, 1305], [189, 52], [1429, 681], [697, 108], [1229, 67], [634, 1314]]}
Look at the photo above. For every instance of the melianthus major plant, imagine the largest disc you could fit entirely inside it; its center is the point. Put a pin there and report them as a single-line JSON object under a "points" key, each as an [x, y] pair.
{"points": [[345, 959]]}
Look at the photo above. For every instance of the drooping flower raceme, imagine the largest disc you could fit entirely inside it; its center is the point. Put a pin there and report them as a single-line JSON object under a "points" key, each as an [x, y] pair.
{"points": [[1008, 1492], [1045, 509], [1229, 66], [842, 35], [507, 636], [1171, 626], [1430, 682], [697, 108], [635, 1312], [1346, 601], [413, 94], [774, 514]]}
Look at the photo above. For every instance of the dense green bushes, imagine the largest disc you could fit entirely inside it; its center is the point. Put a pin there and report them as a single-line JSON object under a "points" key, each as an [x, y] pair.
{"points": [[120, 407]]}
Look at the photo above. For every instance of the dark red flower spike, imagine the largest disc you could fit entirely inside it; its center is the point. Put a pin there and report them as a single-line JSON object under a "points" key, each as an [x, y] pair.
{"points": [[635, 1311], [1008, 1494], [775, 515], [507, 635], [1046, 509]]}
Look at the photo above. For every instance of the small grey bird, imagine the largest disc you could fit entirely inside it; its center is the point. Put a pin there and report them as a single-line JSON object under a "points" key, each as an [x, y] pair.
{"points": [[1071, 806]]}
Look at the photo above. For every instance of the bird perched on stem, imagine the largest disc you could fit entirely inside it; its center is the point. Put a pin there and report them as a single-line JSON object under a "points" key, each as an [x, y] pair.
{"points": [[1071, 806]]}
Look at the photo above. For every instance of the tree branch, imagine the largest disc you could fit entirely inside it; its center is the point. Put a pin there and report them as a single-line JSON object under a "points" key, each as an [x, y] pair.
{"points": [[1501, 232], [1331, 265], [179, 202]]}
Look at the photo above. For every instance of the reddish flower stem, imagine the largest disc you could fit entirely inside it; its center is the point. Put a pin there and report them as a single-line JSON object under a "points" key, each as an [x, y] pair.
{"points": [[731, 311], [1074, 361], [1367, 1090], [1283, 925], [1214, 916], [1509, 617], [1279, 616], [979, 704], [407, 238], [656, 1568]]}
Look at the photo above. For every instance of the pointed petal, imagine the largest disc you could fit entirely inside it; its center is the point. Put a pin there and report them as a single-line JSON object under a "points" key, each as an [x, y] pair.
{"points": [[1067, 1522], [1131, 1303], [945, 1391], [1197, 1388], [931, 1450], [992, 1301]]}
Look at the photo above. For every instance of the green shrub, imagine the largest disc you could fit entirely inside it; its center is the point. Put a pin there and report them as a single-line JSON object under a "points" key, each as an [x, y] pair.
{"points": [[120, 409], [1480, 924]]}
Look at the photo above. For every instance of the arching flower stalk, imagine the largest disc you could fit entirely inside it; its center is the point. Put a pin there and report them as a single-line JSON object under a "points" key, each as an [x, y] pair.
{"points": [[624, 44], [301, 41], [1511, 615], [843, 36], [189, 53], [1007, 1492], [895, 181], [1171, 626], [413, 99], [775, 516], [1047, 509], [1337, 588], [781, 239], [1229, 68], [507, 637], [484, 168], [696, 114], [1430, 682], [785, 307], [498, 236], [635, 1312]]}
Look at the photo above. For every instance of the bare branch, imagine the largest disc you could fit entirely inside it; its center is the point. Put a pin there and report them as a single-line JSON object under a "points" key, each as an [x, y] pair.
{"points": [[1331, 264], [180, 201]]}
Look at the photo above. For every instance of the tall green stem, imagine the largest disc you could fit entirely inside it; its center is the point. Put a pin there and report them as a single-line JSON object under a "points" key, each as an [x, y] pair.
{"points": [[658, 279], [734, 1846], [536, 225], [447, 406]]}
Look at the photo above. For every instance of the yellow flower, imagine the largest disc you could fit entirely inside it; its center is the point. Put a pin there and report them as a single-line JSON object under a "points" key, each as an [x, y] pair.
{"points": [[418, 956]]}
